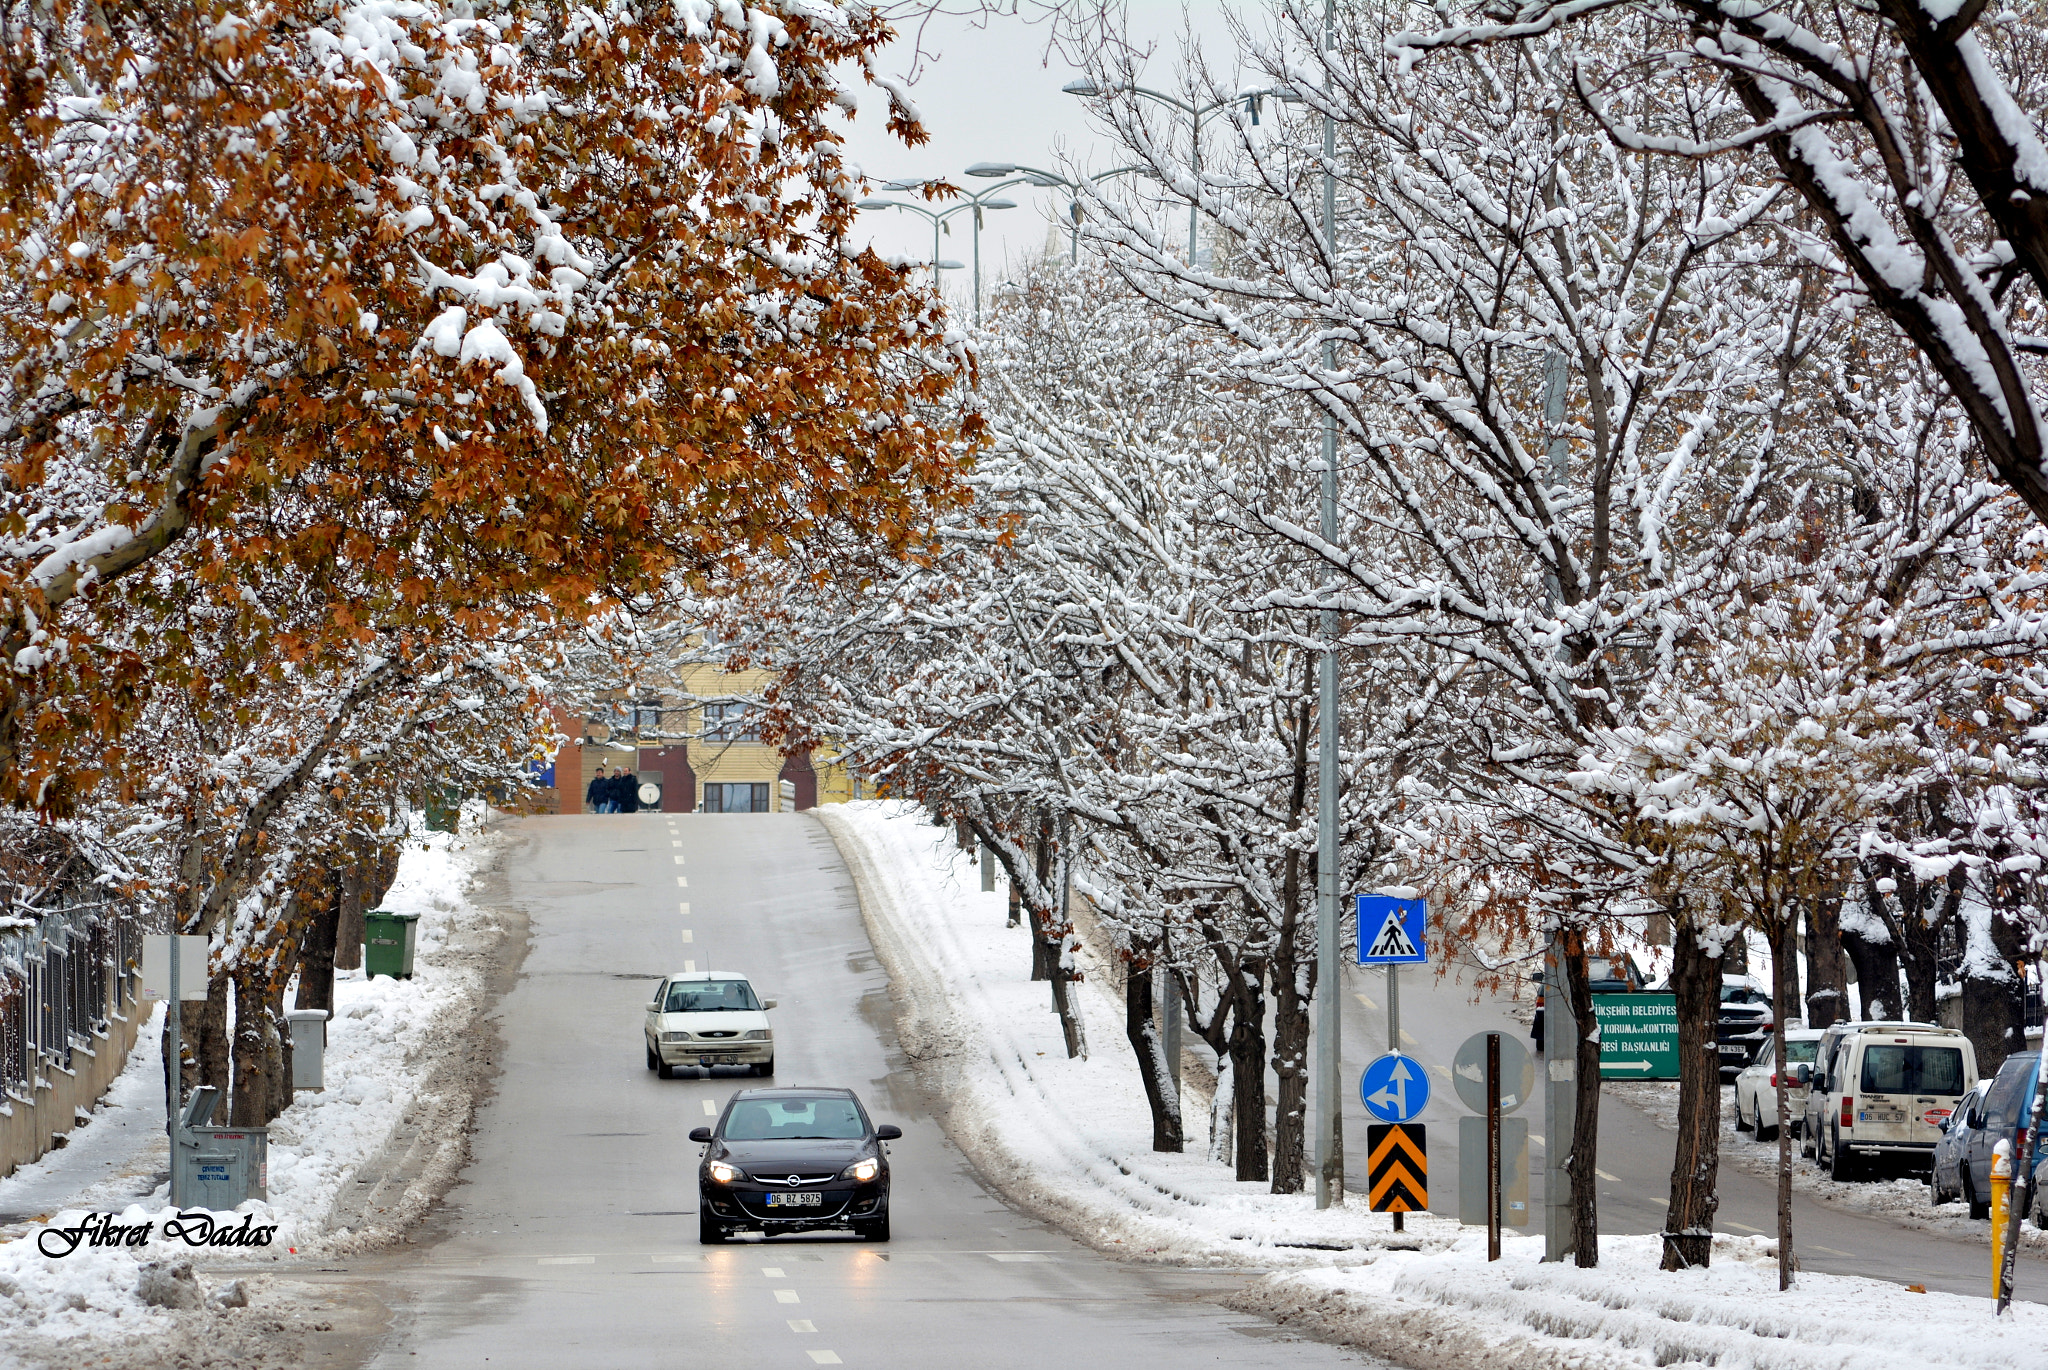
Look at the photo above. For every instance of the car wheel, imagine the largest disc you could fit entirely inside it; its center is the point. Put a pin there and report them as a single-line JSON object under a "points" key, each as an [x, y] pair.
{"points": [[653, 1059], [665, 1070], [1741, 1125], [1978, 1210], [767, 1067], [709, 1233], [1806, 1147], [1764, 1134], [2041, 1213], [1840, 1167], [876, 1231]]}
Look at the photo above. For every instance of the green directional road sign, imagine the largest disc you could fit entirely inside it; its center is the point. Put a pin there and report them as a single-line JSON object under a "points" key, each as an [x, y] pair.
{"points": [[1638, 1036]]}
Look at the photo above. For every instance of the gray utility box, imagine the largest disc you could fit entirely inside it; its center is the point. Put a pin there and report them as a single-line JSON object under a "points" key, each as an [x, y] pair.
{"points": [[217, 1168], [309, 1047]]}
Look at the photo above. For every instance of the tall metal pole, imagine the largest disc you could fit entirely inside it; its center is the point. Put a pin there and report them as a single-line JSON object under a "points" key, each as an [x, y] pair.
{"points": [[1560, 1029], [977, 264], [1329, 1008], [174, 1050]]}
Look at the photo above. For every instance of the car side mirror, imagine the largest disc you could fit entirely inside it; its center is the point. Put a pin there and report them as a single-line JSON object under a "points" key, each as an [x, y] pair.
{"points": [[888, 1132], [700, 1134], [1802, 1075], [654, 1005], [767, 1004]]}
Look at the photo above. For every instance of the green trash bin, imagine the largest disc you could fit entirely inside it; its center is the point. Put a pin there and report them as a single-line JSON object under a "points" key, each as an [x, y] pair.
{"points": [[388, 941]]}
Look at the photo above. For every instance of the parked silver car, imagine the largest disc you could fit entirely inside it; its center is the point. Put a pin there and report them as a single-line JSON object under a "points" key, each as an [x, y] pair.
{"points": [[1756, 1088]]}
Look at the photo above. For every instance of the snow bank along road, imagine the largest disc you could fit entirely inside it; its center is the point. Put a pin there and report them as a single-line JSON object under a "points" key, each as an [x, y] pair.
{"points": [[571, 1239]]}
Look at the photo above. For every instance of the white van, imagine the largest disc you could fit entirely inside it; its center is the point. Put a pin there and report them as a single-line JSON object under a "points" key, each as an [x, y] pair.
{"points": [[1888, 1089]]}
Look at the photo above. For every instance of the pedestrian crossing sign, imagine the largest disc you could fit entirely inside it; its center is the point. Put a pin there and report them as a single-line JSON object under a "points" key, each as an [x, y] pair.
{"points": [[1390, 931]]}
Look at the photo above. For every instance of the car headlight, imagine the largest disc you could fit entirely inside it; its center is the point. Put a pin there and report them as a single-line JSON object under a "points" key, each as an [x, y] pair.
{"points": [[721, 1173], [757, 1035], [675, 1036], [864, 1170]]}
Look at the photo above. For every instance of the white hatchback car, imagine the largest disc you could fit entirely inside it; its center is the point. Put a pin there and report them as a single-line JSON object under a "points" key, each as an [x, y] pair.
{"points": [[707, 1018], [1756, 1088]]}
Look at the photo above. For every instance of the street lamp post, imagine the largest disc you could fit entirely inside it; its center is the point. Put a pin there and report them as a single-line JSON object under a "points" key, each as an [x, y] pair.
{"points": [[1038, 176], [976, 203]]}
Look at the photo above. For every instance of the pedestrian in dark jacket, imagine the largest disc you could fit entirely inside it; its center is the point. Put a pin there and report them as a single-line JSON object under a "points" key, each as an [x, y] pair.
{"points": [[628, 785], [599, 796]]}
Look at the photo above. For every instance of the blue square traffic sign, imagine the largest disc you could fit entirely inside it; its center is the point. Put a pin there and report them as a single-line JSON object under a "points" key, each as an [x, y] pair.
{"points": [[1390, 931]]}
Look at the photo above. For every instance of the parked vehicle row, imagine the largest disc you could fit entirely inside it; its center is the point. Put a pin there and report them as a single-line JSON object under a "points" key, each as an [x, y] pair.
{"points": [[1756, 1087], [1995, 1110]]}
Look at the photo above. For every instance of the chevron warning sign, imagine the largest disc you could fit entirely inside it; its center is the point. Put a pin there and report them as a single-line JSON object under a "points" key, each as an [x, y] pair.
{"points": [[1397, 1167]]}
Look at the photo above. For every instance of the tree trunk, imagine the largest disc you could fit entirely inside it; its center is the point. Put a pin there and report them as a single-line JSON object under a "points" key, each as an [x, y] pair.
{"points": [[1994, 994], [1248, 1074], [1784, 994], [1222, 1115], [249, 1101], [316, 958], [348, 914], [1827, 972], [1142, 1030], [1290, 1066], [1689, 1222], [1871, 950], [1586, 1104], [206, 1030]]}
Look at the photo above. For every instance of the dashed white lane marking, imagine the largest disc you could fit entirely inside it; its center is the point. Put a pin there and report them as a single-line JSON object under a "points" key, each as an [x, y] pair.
{"points": [[683, 882], [710, 1107], [1739, 1227], [773, 1272], [1612, 1179], [568, 1260], [687, 937], [786, 1296], [1367, 1002], [1829, 1250], [679, 858], [801, 1325], [685, 907], [1408, 1037], [826, 1358], [678, 842], [689, 967], [1018, 1256]]}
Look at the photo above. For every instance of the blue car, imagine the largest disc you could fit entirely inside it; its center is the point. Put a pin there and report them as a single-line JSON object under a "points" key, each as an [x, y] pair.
{"points": [[1991, 1112]]}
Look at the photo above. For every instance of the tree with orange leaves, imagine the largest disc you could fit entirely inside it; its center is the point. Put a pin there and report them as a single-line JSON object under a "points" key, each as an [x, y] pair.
{"points": [[423, 314]]}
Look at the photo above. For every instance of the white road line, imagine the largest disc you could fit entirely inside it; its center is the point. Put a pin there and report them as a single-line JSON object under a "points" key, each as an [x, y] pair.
{"points": [[679, 859], [826, 1358], [1018, 1256], [685, 908], [689, 967], [801, 1325], [1810, 1246], [568, 1260], [1408, 1037], [786, 1296], [678, 842], [683, 882], [1367, 1002], [709, 1106], [686, 938], [773, 1272], [1615, 1179], [1739, 1227]]}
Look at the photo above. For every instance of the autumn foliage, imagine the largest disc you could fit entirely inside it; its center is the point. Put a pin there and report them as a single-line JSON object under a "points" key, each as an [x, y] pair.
{"points": [[353, 323]]}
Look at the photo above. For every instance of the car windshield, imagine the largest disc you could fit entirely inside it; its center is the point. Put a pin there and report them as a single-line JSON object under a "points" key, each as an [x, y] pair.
{"points": [[1795, 1052], [710, 996], [772, 1120], [1740, 994], [1890, 1069]]}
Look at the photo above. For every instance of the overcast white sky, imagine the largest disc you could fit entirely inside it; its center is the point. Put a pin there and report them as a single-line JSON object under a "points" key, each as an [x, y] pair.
{"points": [[992, 94]]}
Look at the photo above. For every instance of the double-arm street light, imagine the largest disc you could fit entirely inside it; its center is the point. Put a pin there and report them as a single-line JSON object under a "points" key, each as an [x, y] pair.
{"points": [[1038, 176], [1090, 89], [975, 204]]}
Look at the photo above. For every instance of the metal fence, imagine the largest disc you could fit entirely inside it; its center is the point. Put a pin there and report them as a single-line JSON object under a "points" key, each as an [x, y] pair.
{"points": [[60, 979]]}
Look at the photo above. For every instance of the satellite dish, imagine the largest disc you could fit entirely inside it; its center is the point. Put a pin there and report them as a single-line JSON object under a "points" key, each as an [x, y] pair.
{"points": [[650, 794], [598, 732]]}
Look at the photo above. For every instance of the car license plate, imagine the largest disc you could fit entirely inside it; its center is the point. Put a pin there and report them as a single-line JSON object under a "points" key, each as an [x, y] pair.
{"points": [[1881, 1115], [799, 1200], [1734, 1049]]}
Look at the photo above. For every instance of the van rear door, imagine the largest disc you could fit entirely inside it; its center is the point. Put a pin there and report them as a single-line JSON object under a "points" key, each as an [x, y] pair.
{"points": [[1909, 1085]]}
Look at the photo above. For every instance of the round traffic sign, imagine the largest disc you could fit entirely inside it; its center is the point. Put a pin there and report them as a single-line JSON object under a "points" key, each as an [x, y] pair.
{"points": [[1394, 1088], [1517, 1072]]}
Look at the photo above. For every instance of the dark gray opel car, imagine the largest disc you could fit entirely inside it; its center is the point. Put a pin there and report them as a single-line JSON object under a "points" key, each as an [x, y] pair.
{"points": [[793, 1160]]}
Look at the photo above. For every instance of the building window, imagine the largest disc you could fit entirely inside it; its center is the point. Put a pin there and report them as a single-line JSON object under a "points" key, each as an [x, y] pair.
{"points": [[736, 798], [647, 718], [729, 722]]}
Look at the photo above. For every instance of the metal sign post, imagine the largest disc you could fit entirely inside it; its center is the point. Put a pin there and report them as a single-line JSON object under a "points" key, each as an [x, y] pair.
{"points": [[1493, 1146]]}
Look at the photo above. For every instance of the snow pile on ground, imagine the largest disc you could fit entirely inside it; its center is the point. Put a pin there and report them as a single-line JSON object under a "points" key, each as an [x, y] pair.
{"points": [[316, 1145], [1071, 1138], [1455, 1307]]}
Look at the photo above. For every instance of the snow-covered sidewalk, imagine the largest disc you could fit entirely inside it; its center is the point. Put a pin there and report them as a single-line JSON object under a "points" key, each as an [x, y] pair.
{"points": [[379, 1033], [1069, 1138], [1072, 1140]]}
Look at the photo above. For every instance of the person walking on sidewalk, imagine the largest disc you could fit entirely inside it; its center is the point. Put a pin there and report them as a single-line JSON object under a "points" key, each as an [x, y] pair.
{"points": [[627, 786], [598, 798]]}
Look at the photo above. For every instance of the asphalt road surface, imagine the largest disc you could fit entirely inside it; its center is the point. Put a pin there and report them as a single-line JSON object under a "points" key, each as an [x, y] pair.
{"points": [[1635, 1153], [572, 1239]]}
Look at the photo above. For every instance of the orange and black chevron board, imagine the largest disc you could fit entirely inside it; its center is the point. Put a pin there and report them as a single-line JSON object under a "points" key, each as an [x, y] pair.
{"points": [[1397, 1167]]}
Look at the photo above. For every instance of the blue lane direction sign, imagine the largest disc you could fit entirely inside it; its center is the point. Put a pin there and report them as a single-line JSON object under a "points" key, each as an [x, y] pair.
{"points": [[1395, 1088], [1390, 931]]}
